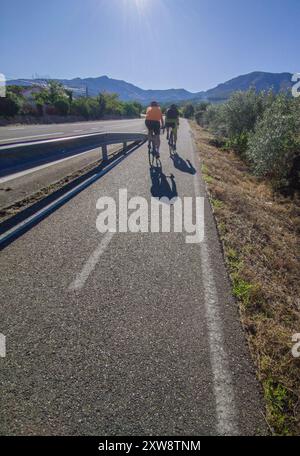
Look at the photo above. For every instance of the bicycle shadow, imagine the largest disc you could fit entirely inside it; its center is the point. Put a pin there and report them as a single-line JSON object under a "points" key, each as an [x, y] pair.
{"points": [[183, 165], [162, 186]]}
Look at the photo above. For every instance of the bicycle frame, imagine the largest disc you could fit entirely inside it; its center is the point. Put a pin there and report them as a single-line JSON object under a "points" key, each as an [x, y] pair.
{"points": [[172, 142]]}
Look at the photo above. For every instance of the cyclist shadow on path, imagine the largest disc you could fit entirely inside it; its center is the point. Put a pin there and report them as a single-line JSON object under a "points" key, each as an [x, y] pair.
{"points": [[183, 165], [162, 185]]}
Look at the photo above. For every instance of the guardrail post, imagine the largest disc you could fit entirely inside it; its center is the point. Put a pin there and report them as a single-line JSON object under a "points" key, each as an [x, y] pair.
{"points": [[104, 153], [124, 145]]}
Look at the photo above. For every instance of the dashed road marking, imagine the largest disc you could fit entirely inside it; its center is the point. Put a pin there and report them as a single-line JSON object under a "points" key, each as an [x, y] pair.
{"points": [[91, 263]]}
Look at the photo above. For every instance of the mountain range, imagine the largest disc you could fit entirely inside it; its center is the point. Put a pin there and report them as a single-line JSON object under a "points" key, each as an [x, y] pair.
{"points": [[129, 92]]}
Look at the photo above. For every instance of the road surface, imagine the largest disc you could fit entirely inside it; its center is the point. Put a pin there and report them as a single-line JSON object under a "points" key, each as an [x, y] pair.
{"points": [[124, 333], [19, 133], [16, 187]]}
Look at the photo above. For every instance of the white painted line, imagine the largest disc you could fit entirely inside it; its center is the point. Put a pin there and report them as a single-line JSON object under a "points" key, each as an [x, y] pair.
{"points": [[41, 214], [44, 210], [91, 263], [11, 177], [32, 136], [223, 390]]}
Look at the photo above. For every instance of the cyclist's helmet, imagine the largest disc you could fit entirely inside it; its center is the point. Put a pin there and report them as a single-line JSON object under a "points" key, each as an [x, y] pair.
{"points": [[154, 103]]}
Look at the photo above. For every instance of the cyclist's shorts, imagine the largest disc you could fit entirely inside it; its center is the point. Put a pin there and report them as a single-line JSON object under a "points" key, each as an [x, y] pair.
{"points": [[170, 123], [153, 125]]}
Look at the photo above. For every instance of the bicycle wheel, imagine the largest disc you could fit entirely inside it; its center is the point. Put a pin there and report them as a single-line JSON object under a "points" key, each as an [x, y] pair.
{"points": [[150, 157], [151, 150], [171, 141]]}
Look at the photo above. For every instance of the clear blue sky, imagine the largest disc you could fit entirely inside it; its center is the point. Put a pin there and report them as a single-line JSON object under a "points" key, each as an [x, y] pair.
{"points": [[194, 44]]}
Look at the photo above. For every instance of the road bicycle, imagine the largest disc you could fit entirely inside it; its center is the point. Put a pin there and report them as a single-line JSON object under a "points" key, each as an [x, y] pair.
{"points": [[152, 148], [172, 140]]}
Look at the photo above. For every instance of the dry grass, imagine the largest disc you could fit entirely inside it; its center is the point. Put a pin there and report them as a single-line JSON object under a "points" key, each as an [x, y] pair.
{"points": [[260, 235]]}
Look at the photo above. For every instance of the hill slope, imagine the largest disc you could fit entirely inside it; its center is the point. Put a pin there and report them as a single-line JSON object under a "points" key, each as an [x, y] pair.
{"points": [[258, 79], [129, 92]]}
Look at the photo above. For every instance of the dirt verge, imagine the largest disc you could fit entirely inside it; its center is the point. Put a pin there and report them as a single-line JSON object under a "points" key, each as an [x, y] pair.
{"points": [[260, 237]]}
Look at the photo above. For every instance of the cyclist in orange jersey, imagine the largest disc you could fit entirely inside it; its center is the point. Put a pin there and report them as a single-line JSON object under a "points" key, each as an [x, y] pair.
{"points": [[154, 120]]}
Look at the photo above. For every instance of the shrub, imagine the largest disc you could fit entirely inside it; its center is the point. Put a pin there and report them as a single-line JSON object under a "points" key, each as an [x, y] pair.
{"points": [[200, 109], [62, 106], [213, 118], [10, 105], [239, 116], [132, 109], [265, 129], [101, 104], [188, 111], [80, 107], [274, 144], [50, 110], [242, 111], [113, 105], [29, 109]]}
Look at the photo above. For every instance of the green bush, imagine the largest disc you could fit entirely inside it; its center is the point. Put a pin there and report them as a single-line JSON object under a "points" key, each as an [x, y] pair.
{"points": [[265, 129], [131, 109], [214, 119], [29, 109], [200, 109], [94, 108], [101, 104], [242, 111], [80, 107], [62, 106], [275, 142], [10, 105], [113, 105], [188, 111], [238, 116]]}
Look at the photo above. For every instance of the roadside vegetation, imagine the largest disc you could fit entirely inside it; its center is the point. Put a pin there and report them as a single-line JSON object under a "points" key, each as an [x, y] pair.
{"points": [[249, 149], [263, 130], [54, 100]]}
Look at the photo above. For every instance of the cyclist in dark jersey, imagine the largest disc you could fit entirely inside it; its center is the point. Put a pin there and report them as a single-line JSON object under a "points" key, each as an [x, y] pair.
{"points": [[172, 121]]}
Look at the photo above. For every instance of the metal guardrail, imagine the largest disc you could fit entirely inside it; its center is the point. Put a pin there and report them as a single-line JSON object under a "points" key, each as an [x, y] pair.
{"points": [[21, 156]]}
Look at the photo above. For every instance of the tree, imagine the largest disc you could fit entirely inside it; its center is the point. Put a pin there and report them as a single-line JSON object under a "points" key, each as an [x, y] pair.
{"points": [[56, 91], [113, 105], [188, 111], [69, 93], [242, 111], [80, 107], [274, 144], [11, 104], [101, 104], [199, 112], [132, 109], [138, 106], [62, 106]]}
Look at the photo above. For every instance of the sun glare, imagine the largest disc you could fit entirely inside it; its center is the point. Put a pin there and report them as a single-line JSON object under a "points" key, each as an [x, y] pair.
{"points": [[140, 5]]}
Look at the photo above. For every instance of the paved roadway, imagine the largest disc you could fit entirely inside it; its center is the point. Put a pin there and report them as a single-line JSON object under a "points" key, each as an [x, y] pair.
{"points": [[128, 333], [11, 134], [16, 187]]}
